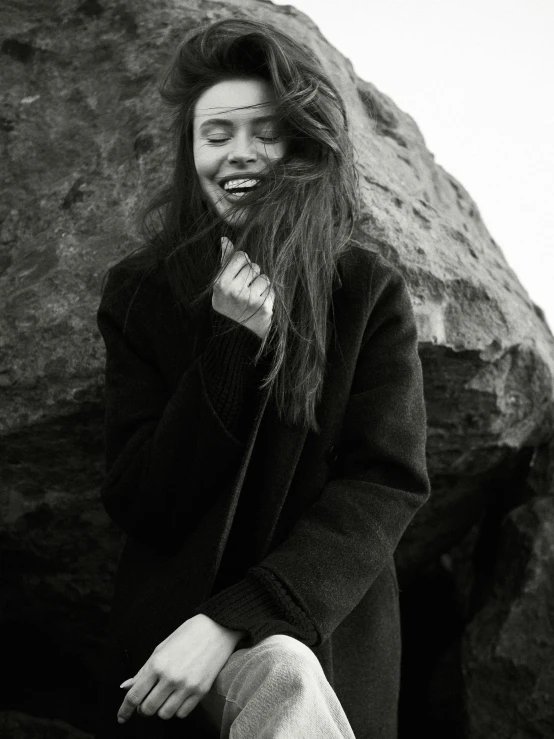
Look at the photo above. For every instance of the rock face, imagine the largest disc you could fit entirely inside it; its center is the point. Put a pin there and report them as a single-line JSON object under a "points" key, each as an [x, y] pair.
{"points": [[84, 141], [508, 647], [15, 724], [508, 650]]}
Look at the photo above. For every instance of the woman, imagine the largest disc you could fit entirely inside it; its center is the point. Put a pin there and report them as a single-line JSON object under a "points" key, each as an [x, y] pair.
{"points": [[265, 428]]}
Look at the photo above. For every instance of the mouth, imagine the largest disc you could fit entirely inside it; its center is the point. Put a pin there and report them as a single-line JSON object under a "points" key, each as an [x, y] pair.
{"points": [[237, 187]]}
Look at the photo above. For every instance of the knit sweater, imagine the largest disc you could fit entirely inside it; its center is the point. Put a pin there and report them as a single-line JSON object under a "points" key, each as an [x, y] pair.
{"points": [[230, 373], [242, 602]]}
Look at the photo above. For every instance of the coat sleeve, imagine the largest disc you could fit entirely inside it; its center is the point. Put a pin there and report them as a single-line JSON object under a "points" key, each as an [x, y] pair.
{"points": [[310, 582], [167, 455]]}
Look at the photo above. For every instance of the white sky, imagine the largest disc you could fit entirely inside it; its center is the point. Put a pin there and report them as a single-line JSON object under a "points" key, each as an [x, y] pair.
{"points": [[478, 78]]}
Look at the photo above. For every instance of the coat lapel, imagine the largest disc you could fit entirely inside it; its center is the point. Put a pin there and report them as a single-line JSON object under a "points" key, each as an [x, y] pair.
{"points": [[287, 443], [237, 486]]}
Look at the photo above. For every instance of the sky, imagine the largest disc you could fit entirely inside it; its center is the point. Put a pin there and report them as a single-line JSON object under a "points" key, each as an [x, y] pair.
{"points": [[477, 76]]}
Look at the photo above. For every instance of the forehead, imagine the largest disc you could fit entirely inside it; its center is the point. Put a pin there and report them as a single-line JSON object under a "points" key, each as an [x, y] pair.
{"points": [[230, 98]]}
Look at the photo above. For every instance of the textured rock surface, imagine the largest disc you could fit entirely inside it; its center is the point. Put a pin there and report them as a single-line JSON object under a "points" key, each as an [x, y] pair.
{"points": [[508, 649], [16, 725], [84, 142]]}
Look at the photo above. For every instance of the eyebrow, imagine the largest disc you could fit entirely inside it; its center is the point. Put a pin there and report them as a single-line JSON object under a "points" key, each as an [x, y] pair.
{"points": [[227, 122]]}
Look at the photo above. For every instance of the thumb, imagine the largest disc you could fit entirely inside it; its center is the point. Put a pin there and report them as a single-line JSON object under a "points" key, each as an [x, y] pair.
{"points": [[127, 683], [226, 248]]}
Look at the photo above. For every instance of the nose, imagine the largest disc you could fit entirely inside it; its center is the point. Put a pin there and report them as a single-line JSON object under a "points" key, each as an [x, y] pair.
{"points": [[243, 150]]}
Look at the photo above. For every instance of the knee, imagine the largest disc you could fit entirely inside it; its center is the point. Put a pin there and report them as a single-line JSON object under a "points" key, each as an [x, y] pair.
{"points": [[279, 665], [287, 658]]}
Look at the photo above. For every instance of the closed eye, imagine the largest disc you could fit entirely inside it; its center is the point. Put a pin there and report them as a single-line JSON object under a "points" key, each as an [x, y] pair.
{"points": [[265, 139]]}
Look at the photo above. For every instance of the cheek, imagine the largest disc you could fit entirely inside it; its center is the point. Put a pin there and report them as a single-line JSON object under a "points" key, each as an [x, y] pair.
{"points": [[199, 164], [203, 162], [206, 166], [279, 152]]}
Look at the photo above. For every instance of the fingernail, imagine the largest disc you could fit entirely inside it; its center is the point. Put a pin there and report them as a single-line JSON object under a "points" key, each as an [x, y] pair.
{"points": [[120, 720]]}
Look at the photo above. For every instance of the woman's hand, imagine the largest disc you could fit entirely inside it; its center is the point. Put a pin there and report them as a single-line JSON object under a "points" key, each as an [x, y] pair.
{"points": [[242, 291], [180, 671]]}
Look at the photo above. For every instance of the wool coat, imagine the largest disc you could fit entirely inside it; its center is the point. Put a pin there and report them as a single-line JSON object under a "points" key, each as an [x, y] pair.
{"points": [[284, 530]]}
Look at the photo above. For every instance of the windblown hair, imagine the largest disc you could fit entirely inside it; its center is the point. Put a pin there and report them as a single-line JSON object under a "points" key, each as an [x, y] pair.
{"points": [[300, 219]]}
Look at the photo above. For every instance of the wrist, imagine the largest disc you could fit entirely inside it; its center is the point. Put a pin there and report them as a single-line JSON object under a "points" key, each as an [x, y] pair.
{"points": [[230, 634], [235, 636]]}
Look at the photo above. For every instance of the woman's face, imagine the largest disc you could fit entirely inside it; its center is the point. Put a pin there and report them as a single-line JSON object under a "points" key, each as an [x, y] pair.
{"points": [[231, 146]]}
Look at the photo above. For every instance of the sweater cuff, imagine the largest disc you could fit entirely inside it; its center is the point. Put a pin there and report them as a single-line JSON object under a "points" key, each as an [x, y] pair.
{"points": [[260, 608], [229, 356], [233, 335]]}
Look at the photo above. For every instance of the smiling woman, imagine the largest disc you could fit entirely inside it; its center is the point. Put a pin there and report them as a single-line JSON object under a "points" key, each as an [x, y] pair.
{"points": [[265, 430], [248, 99], [233, 154]]}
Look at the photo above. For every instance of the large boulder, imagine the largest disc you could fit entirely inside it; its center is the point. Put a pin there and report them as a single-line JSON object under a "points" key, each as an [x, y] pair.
{"points": [[507, 650], [85, 143]]}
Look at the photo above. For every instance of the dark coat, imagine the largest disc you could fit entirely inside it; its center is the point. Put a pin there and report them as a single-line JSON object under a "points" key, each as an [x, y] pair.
{"points": [[329, 516]]}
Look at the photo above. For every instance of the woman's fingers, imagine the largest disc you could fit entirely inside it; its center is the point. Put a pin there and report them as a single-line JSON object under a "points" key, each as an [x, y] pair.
{"points": [[158, 696], [136, 694], [163, 699], [175, 702], [251, 274], [246, 278], [188, 704], [244, 271], [238, 293], [263, 284]]}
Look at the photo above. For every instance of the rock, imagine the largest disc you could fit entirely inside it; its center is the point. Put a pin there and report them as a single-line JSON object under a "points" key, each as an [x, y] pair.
{"points": [[508, 648], [16, 725], [84, 137]]}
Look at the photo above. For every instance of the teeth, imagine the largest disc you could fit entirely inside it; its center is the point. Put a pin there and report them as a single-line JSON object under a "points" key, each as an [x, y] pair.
{"points": [[232, 184]]}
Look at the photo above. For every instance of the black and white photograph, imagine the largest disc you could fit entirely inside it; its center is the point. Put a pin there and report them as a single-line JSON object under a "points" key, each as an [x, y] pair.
{"points": [[277, 369]]}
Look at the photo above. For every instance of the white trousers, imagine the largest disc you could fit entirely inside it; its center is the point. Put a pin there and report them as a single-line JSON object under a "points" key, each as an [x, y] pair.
{"points": [[274, 690]]}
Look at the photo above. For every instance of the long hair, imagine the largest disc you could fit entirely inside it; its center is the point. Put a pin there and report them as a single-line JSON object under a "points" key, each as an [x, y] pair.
{"points": [[300, 219]]}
